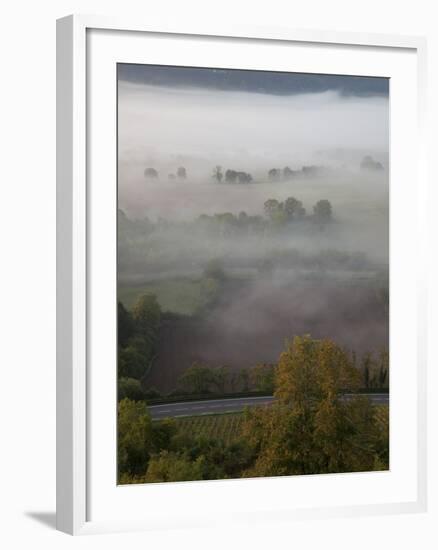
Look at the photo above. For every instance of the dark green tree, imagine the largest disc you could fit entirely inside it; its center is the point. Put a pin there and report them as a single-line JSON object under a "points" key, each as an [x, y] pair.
{"points": [[130, 388], [125, 324], [197, 379], [146, 314], [294, 209], [322, 212]]}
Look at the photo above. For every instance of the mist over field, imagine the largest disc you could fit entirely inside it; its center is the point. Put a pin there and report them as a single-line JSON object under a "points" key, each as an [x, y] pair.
{"points": [[234, 276], [197, 128]]}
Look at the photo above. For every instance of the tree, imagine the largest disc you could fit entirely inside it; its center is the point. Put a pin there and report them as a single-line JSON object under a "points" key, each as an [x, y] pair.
{"points": [[147, 316], [279, 218], [130, 388], [366, 368], [181, 173], [294, 208], [368, 163], [134, 429], [133, 359], [197, 379], [274, 173], [125, 324], [322, 212], [162, 434], [150, 173], [287, 173], [383, 369], [221, 378], [310, 428], [244, 177], [230, 176], [168, 466], [262, 376], [346, 435], [243, 379], [271, 208], [217, 173]]}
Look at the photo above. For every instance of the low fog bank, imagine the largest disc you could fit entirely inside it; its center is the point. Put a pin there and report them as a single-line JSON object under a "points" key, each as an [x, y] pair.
{"points": [[360, 220], [163, 127]]}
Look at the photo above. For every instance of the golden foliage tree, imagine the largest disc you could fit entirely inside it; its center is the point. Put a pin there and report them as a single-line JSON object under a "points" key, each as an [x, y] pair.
{"points": [[312, 427], [134, 429]]}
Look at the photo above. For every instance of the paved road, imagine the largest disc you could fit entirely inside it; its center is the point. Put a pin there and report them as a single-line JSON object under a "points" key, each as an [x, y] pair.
{"points": [[237, 404]]}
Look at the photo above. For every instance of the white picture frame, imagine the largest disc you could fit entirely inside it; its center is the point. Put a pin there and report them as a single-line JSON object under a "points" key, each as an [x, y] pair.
{"points": [[77, 364]]}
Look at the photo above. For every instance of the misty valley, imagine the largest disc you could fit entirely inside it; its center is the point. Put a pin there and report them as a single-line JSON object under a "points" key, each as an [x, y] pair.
{"points": [[252, 275], [233, 286]]}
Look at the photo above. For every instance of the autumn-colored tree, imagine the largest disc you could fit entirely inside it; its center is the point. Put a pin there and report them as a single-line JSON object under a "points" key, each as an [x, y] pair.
{"points": [[129, 387], [168, 466], [312, 427], [134, 429]]}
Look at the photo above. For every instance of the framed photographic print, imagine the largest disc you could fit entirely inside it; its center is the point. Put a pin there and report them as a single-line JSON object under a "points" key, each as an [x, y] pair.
{"points": [[241, 323]]}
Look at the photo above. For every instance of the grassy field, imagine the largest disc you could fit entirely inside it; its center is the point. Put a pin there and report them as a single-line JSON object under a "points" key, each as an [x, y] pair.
{"points": [[177, 295], [216, 426]]}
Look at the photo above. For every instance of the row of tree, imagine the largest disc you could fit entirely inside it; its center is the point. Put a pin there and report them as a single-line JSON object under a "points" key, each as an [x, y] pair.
{"points": [[152, 173], [274, 174], [277, 214], [309, 429], [202, 380]]}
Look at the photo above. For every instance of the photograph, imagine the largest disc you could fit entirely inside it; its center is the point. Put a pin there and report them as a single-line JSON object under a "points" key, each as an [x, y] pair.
{"points": [[252, 273]]}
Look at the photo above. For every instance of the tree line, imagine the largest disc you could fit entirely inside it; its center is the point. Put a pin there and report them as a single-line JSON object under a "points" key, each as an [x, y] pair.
{"points": [[277, 214], [230, 175], [238, 176]]}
